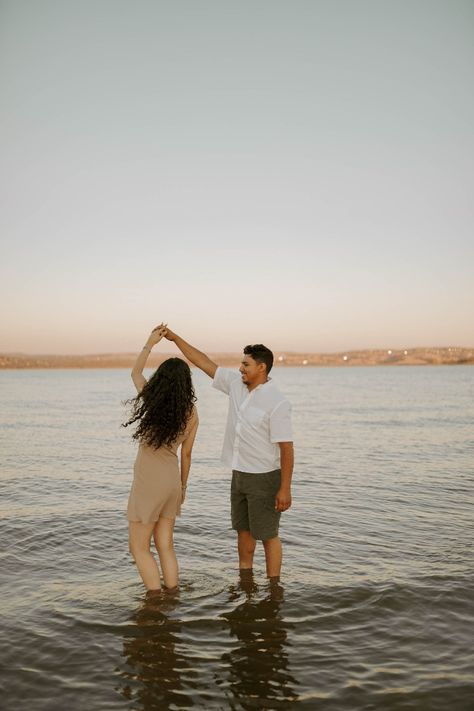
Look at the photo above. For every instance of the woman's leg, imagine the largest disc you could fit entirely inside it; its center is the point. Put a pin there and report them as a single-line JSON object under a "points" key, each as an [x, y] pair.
{"points": [[163, 535], [139, 536]]}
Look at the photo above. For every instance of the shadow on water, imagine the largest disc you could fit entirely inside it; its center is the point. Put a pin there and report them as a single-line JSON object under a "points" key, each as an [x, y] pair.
{"points": [[250, 673], [257, 669]]}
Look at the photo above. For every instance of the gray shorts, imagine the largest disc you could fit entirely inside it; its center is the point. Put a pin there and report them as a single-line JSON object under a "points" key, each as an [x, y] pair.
{"points": [[252, 498]]}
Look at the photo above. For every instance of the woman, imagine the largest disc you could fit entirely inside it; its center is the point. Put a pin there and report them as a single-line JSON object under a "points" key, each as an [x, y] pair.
{"points": [[166, 417]]}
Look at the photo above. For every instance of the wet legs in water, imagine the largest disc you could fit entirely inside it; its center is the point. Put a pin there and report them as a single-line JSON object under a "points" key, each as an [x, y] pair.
{"points": [[139, 544], [163, 536], [273, 553]]}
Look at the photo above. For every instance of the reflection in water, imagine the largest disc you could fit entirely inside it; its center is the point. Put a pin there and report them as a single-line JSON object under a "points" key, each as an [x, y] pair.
{"points": [[252, 673], [151, 678], [258, 665]]}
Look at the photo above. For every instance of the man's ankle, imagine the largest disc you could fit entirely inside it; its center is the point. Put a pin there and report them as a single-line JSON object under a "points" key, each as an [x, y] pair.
{"points": [[246, 572]]}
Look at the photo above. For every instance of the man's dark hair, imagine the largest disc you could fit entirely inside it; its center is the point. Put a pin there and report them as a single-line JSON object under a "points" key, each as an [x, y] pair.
{"points": [[260, 354]]}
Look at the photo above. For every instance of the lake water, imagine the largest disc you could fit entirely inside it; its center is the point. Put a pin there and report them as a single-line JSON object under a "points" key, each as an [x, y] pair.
{"points": [[377, 605]]}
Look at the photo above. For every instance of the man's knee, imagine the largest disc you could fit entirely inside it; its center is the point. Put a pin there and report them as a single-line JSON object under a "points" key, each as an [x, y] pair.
{"points": [[247, 542], [271, 542]]}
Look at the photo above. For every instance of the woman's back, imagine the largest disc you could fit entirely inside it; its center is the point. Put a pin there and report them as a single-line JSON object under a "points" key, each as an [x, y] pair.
{"points": [[171, 450]]}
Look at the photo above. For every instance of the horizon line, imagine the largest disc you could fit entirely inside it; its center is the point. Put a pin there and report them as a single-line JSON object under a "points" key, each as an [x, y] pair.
{"points": [[233, 353]]}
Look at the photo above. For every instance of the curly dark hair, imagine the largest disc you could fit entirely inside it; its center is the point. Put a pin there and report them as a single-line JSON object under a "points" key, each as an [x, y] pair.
{"points": [[164, 405]]}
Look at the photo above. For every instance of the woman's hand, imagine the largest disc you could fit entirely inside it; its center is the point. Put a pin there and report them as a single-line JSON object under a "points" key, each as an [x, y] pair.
{"points": [[156, 335], [183, 494]]}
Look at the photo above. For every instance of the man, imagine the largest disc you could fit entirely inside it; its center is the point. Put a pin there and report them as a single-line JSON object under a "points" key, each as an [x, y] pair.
{"points": [[258, 446]]}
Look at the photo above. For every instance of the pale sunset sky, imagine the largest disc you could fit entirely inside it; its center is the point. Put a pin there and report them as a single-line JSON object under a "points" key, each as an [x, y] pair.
{"points": [[298, 173]]}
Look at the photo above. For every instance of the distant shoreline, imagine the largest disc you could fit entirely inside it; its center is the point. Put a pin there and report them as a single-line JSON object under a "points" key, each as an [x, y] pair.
{"points": [[409, 356]]}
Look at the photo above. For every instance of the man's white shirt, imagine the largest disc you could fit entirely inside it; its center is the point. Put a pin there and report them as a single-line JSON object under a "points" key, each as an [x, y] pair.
{"points": [[256, 422]]}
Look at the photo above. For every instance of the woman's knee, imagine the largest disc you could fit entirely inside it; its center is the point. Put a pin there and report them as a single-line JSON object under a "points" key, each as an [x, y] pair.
{"points": [[137, 547], [134, 550], [163, 535], [164, 544]]}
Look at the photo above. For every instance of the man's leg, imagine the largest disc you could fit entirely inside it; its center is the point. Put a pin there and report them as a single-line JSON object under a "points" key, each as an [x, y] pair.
{"points": [[246, 544], [240, 520], [273, 556], [265, 519]]}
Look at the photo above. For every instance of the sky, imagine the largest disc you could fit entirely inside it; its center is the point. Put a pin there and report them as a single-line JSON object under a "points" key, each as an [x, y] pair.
{"points": [[298, 173]]}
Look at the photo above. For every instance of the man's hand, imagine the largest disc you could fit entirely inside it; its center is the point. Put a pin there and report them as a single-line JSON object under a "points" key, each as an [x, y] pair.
{"points": [[169, 334], [283, 499]]}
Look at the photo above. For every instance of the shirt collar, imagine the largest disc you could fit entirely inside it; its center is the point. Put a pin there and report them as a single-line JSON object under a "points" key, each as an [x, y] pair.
{"points": [[262, 384]]}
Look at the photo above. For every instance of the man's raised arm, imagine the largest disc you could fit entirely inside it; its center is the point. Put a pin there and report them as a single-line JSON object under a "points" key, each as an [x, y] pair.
{"points": [[197, 358]]}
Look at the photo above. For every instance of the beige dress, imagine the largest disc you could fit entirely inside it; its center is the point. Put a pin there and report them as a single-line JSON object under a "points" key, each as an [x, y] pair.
{"points": [[156, 487]]}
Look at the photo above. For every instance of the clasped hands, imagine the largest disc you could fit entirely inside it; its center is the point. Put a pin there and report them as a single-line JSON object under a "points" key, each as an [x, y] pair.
{"points": [[158, 333]]}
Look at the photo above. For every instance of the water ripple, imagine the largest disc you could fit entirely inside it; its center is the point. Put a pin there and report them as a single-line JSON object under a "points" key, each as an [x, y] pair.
{"points": [[376, 607]]}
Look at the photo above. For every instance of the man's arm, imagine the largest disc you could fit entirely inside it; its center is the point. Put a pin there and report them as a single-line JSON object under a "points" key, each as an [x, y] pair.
{"points": [[283, 497], [197, 358]]}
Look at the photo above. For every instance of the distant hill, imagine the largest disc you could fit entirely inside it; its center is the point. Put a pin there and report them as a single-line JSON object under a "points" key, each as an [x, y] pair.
{"points": [[410, 356]]}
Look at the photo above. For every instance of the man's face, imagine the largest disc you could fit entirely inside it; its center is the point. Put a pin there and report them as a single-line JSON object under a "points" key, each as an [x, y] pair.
{"points": [[250, 370]]}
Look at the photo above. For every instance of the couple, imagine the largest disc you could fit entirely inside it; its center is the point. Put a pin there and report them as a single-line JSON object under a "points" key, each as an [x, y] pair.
{"points": [[258, 446]]}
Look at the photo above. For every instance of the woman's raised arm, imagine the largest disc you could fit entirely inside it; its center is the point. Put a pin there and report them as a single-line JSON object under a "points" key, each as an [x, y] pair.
{"points": [[137, 371]]}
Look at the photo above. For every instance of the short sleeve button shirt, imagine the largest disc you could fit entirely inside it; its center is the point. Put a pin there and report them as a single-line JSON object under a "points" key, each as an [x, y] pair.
{"points": [[256, 422]]}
